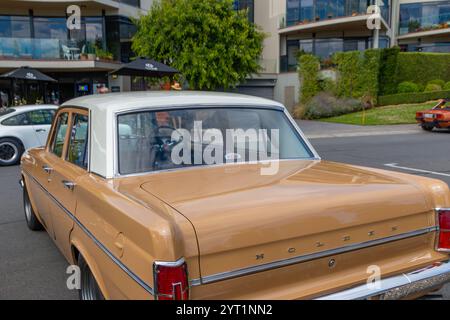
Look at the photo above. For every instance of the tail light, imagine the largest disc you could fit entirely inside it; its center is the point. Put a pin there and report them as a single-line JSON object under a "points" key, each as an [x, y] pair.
{"points": [[439, 116], [171, 280], [419, 114], [443, 216]]}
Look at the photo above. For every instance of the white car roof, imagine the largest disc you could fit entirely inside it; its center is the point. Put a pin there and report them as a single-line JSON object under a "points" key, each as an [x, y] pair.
{"points": [[33, 107], [118, 102], [104, 107]]}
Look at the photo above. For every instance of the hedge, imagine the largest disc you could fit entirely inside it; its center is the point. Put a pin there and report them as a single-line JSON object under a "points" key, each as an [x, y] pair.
{"points": [[308, 70], [420, 67], [387, 80], [403, 98]]}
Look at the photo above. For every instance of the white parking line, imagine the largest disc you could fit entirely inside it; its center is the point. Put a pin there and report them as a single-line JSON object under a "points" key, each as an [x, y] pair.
{"points": [[395, 165]]}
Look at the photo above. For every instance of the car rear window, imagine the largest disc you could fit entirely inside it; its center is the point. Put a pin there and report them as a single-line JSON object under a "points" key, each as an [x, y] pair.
{"points": [[159, 140]]}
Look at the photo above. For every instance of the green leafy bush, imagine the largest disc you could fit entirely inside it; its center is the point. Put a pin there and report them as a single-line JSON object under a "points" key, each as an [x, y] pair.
{"points": [[407, 86], [358, 74], [213, 45], [418, 97], [447, 86], [309, 66], [440, 83], [325, 105], [432, 87]]}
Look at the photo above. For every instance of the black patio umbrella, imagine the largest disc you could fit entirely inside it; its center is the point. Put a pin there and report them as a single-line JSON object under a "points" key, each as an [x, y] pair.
{"points": [[26, 74], [143, 67]]}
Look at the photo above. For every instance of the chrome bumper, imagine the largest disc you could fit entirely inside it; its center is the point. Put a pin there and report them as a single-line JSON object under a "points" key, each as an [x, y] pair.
{"points": [[398, 287]]}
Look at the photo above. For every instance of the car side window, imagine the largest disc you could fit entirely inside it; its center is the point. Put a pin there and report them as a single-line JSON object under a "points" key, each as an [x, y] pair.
{"points": [[41, 117], [59, 135], [78, 144], [17, 120]]}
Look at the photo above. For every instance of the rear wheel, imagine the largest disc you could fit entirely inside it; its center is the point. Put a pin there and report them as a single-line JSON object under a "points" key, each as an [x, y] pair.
{"points": [[89, 288], [10, 151], [427, 127], [32, 222]]}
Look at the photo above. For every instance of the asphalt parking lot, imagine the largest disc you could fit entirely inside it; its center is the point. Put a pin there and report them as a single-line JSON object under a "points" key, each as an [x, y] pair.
{"points": [[31, 267]]}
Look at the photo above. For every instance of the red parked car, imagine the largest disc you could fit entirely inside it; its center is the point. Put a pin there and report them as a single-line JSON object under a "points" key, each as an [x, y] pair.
{"points": [[437, 117]]}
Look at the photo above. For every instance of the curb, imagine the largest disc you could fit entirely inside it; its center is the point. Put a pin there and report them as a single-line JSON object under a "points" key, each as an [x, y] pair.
{"points": [[360, 134]]}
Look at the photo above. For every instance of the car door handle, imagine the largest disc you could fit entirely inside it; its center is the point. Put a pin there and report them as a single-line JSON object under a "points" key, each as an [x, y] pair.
{"points": [[41, 130], [47, 169], [69, 184]]}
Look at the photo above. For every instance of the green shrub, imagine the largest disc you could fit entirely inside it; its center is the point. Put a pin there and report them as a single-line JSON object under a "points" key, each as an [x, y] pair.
{"points": [[387, 78], [432, 87], [358, 74], [419, 97], [440, 83], [407, 86], [447, 86], [309, 66], [325, 105]]}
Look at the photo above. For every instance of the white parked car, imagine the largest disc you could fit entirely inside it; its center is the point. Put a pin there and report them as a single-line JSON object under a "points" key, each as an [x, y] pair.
{"points": [[22, 128]]}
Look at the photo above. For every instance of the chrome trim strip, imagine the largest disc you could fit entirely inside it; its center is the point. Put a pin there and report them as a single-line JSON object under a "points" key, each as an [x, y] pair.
{"points": [[405, 284], [132, 275], [307, 257]]}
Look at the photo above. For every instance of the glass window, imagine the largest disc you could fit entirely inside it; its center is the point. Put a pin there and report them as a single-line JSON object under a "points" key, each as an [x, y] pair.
{"points": [[78, 145], [293, 12], [59, 136], [15, 27], [147, 139], [17, 120], [134, 3], [325, 48], [416, 17], [41, 117], [50, 28], [94, 30], [246, 5]]}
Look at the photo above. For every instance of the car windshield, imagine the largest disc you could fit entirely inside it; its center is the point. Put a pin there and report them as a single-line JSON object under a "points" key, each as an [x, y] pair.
{"points": [[160, 140], [5, 111]]}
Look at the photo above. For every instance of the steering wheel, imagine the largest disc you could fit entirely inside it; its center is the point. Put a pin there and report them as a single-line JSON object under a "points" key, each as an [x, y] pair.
{"points": [[164, 142]]}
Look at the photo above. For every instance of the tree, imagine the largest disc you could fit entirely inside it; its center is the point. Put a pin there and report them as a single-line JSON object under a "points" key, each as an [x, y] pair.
{"points": [[213, 45]]}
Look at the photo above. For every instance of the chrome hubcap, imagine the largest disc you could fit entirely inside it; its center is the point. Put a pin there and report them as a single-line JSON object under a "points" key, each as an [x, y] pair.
{"points": [[8, 151]]}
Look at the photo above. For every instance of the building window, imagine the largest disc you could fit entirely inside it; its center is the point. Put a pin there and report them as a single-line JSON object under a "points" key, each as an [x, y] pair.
{"points": [[15, 27], [120, 30], [325, 48], [134, 3], [305, 11], [246, 5], [426, 16]]}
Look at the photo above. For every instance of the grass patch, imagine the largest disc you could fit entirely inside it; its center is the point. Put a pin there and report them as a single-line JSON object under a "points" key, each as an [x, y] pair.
{"points": [[398, 114]]}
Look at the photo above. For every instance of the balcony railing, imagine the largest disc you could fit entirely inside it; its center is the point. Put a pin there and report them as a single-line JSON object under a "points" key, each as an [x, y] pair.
{"points": [[428, 23], [45, 49], [328, 10]]}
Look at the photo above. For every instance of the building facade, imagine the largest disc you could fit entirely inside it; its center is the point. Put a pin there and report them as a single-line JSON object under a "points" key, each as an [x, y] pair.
{"points": [[35, 33], [323, 27]]}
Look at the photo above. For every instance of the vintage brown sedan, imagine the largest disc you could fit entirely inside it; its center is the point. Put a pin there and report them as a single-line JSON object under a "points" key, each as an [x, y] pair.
{"points": [[141, 225]]}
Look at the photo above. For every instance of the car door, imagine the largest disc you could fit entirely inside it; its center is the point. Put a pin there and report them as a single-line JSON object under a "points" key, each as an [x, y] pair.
{"points": [[41, 121], [66, 170], [43, 170], [20, 126]]}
